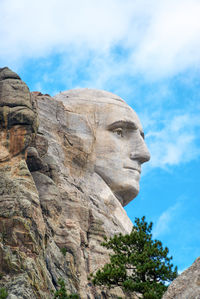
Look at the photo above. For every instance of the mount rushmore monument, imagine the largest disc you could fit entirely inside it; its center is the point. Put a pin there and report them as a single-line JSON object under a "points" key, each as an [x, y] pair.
{"points": [[68, 165]]}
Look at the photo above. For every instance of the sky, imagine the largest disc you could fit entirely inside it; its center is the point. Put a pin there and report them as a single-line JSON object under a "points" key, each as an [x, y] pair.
{"points": [[147, 52]]}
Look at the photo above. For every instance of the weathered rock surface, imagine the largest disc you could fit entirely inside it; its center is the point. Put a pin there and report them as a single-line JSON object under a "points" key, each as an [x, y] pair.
{"points": [[187, 285], [56, 201], [22, 228]]}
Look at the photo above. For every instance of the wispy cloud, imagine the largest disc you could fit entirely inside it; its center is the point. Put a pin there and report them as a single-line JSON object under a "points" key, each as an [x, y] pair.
{"points": [[176, 142], [178, 226], [163, 224]]}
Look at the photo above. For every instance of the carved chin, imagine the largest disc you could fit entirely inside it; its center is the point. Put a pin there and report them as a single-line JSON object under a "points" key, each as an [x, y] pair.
{"points": [[124, 187], [127, 194]]}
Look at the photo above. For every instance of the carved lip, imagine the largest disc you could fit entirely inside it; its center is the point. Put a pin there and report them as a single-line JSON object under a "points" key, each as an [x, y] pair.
{"points": [[133, 168]]}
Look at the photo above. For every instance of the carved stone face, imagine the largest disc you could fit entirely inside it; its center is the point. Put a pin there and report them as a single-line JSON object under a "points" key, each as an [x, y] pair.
{"points": [[116, 138], [120, 150]]}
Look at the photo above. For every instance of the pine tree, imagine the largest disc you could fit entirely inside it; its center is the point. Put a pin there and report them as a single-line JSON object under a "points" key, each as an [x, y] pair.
{"points": [[3, 293], [137, 263], [62, 293]]}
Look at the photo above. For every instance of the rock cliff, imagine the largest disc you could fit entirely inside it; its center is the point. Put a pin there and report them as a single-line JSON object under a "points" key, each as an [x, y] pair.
{"points": [[187, 285], [53, 213]]}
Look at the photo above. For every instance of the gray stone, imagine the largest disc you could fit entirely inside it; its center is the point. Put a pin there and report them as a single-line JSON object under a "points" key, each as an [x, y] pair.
{"points": [[186, 285], [6, 73]]}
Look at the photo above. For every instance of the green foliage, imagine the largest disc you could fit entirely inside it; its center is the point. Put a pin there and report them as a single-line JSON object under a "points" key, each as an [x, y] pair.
{"points": [[138, 263], [63, 250], [62, 293], [3, 293]]}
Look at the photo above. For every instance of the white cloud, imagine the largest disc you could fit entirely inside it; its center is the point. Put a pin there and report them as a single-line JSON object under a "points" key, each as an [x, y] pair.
{"points": [[171, 42], [177, 142], [161, 37], [162, 225], [41, 26]]}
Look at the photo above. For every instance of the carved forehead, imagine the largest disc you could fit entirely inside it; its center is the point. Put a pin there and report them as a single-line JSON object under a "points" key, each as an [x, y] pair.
{"points": [[87, 95], [112, 113], [100, 107]]}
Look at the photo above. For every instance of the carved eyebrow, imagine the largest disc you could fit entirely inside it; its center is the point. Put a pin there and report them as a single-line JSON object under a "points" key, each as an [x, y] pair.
{"points": [[125, 124]]}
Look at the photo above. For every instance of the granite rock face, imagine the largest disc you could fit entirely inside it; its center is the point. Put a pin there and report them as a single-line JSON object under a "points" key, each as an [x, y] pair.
{"points": [[22, 227], [187, 285], [58, 195]]}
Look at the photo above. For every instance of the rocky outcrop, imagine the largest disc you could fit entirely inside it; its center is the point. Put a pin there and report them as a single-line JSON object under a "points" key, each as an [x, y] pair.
{"points": [[53, 213], [22, 227], [186, 285]]}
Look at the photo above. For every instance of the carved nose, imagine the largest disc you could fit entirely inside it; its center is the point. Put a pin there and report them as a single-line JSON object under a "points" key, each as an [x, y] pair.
{"points": [[141, 153]]}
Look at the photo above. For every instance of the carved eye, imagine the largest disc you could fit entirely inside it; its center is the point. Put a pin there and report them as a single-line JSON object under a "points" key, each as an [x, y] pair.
{"points": [[119, 132]]}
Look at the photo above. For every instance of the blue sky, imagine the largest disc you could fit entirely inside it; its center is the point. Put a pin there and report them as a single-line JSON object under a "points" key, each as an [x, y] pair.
{"points": [[145, 51]]}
